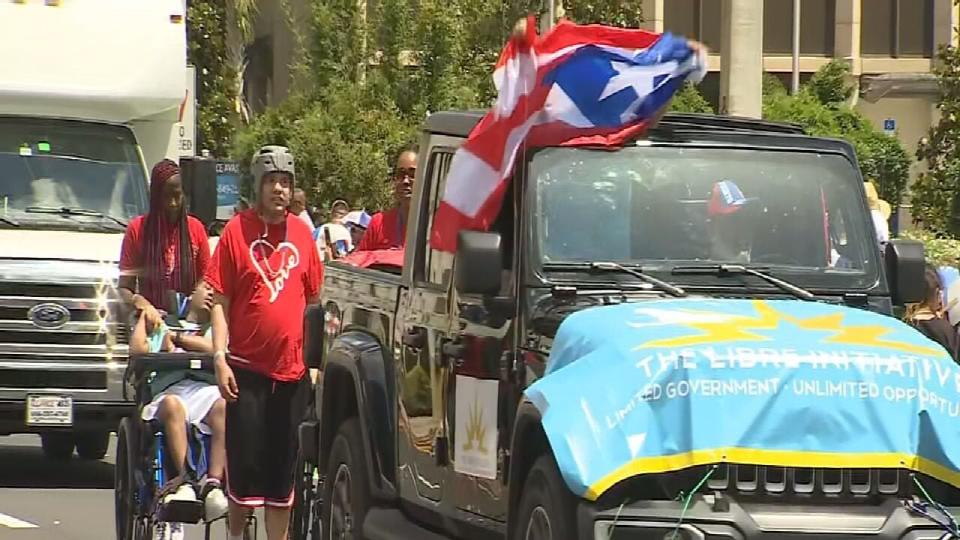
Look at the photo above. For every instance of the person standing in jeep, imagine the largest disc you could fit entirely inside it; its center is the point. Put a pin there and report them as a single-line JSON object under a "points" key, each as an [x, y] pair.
{"points": [[388, 229], [265, 271]]}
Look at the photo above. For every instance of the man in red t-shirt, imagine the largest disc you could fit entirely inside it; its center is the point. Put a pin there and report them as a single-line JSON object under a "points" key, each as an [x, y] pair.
{"points": [[164, 249], [388, 229], [265, 271]]}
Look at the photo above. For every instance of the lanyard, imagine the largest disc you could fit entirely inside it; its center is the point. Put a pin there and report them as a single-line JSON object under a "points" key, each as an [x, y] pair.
{"points": [[183, 307]]}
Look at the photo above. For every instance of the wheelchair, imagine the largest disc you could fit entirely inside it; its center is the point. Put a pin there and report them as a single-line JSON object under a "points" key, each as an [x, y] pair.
{"points": [[143, 468]]}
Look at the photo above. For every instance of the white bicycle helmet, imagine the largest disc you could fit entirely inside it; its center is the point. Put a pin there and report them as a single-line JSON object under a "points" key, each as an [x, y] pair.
{"points": [[272, 158]]}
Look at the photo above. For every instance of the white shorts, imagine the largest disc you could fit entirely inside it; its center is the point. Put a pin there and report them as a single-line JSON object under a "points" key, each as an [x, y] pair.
{"points": [[196, 397]]}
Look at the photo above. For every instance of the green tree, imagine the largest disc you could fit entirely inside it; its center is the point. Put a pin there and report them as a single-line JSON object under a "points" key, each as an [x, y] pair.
{"points": [[623, 13], [933, 192], [343, 142], [820, 108], [216, 78], [690, 100], [831, 83]]}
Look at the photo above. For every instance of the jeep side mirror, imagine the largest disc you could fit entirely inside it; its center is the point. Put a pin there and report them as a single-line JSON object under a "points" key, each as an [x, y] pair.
{"points": [[314, 320], [479, 264], [906, 265]]}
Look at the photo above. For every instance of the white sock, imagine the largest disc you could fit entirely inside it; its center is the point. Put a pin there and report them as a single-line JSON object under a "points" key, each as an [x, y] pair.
{"points": [[237, 537]]}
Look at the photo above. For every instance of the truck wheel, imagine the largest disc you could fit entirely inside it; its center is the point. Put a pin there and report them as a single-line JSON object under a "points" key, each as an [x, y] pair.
{"points": [[346, 492], [93, 445], [57, 445], [547, 507]]}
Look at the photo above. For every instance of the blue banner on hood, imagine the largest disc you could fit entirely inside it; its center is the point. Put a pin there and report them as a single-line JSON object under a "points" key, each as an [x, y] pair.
{"points": [[665, 385]]}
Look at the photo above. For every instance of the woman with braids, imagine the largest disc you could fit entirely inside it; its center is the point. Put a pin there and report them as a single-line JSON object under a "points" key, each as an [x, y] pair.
{"points": [[163, 250]]}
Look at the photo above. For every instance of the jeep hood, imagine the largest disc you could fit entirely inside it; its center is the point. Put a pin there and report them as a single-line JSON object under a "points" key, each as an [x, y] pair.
{"points": [[664, 385], [60, 245]]}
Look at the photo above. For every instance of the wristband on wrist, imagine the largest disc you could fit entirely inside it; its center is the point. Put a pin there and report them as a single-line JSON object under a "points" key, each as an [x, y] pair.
{"points": [[220, 355]]}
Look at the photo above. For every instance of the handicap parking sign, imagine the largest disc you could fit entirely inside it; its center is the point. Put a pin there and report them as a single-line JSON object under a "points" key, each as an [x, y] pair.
{"points": [[889, 125]]}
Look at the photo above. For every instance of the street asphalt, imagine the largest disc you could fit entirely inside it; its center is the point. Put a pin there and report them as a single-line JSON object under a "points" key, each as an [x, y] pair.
{"points": [[42, 499]]}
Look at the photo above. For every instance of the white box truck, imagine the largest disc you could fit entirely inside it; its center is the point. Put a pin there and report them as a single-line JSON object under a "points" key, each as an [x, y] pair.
{"points": [[91, 92]]}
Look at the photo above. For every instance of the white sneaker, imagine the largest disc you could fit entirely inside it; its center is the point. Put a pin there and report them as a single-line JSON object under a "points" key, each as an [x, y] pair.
{"points": [[176, 531], [214, 504], [183, 493], [168, 531]]}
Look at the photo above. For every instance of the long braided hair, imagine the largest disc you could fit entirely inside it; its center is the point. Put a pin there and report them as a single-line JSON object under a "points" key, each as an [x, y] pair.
{"points": [[156, 230]]}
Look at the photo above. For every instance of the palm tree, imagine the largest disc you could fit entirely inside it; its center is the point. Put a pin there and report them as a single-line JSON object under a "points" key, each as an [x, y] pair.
{"points": [[241, 16]]}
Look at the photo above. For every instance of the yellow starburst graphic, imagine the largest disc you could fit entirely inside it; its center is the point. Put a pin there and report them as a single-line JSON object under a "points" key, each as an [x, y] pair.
{"points": [[741, 328], [476, 431]]}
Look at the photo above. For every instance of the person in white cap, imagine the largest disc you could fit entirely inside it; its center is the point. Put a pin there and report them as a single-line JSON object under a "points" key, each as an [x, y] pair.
{"points": [[264, 273], [357, 223], [333, 238]]}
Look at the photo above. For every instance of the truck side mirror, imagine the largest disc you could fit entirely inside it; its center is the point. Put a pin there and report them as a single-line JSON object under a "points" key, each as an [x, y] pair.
{"points": [[906, 265], [199, 177], [479, 263]]}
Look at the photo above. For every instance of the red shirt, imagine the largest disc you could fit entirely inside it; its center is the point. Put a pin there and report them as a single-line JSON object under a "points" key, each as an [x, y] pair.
{"points": [[268, 280], [131, 253], [386, 230]]}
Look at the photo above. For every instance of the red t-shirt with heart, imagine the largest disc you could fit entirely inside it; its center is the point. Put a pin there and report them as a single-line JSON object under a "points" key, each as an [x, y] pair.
{"points": [[268, 273]]}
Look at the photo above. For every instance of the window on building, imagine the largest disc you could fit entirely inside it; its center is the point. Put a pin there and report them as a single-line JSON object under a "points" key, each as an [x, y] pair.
{"points": [[695, 19], [816, 27], [897, 28]]}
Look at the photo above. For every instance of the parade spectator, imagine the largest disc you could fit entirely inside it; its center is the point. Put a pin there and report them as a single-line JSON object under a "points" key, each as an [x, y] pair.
{"points": [[928, 316], [357, 223], [298, 207], [388, 229], [264, 273], [187, 397], [333, 238], [879, 212], [163, 250]]}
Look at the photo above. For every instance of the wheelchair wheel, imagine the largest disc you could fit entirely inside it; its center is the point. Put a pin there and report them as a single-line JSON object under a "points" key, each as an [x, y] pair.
{"points": [[304, 517], [124, 482], [143, 529]]}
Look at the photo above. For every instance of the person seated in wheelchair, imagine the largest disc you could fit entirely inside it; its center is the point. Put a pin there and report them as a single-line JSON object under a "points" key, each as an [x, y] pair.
{"points": [[180, 399]]}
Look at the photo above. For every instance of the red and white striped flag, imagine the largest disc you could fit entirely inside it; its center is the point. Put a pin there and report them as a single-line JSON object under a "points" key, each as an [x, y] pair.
{"points": [[577, 85]]}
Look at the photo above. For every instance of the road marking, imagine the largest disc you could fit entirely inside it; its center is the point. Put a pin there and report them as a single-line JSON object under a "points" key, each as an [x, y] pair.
{"points": [[14, 523]]}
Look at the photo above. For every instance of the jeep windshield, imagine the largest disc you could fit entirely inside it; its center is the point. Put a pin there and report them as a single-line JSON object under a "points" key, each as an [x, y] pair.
{"points": [[795, 214], [69, 175]]}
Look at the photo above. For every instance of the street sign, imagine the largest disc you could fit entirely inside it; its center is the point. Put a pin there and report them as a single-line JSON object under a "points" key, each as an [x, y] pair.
{"points": [[889, 126], [228, 188]]}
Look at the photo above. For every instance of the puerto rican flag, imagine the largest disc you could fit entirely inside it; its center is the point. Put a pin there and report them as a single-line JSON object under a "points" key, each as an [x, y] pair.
{"points": [[577, 85]]}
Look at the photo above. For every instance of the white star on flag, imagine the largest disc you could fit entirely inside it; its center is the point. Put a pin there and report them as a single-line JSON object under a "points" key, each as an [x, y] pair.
{"points": [[640, 78]]}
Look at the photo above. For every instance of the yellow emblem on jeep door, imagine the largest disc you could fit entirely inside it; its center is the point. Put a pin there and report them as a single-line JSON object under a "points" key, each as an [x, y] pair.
{"points": [[476, 432]]}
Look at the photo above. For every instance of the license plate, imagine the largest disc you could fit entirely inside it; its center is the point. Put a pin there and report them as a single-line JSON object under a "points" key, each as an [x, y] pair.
{"points": [[49, 410]]}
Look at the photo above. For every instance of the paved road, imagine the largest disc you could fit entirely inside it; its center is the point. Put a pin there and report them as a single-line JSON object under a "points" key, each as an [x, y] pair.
{"points": [[40, 499]]}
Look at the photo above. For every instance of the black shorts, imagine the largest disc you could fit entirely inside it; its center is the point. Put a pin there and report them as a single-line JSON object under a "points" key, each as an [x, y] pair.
{"points": [[261, 433]]}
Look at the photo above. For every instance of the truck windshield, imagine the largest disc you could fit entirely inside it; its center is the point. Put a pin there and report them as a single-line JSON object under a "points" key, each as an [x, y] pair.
{"points": [[662, 206], [60, 164]]}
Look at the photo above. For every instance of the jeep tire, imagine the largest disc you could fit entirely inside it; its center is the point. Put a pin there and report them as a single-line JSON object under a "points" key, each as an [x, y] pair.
{"points": [[547, 509], [346, 489]]}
